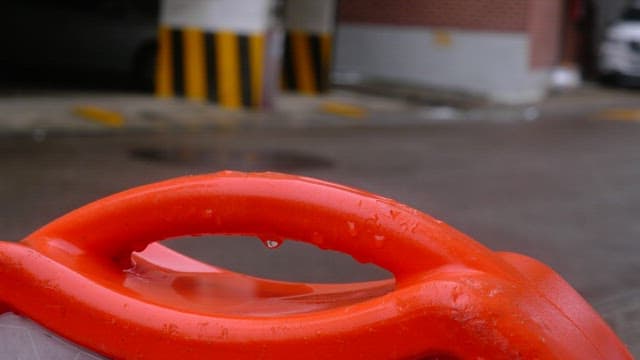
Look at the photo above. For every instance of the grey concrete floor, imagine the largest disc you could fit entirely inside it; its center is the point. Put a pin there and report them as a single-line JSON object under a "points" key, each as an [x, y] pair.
{"points": [[563, 191]]}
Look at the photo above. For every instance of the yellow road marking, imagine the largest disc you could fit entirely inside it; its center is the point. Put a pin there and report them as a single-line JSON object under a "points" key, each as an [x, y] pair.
{"points": [[344, 109], [100, 115], [621, 114]]}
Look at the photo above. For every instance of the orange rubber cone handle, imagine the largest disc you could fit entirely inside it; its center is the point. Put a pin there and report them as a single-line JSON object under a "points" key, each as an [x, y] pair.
{"points": [[81, 276]]}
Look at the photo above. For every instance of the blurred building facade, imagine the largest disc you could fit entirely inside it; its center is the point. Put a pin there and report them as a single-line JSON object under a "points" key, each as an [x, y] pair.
{"points": [[504, 49], [508, 51]]}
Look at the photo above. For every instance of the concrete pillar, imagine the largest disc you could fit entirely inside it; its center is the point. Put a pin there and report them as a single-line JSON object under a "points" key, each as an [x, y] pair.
{"points": [[219, 51], [309, 28]]}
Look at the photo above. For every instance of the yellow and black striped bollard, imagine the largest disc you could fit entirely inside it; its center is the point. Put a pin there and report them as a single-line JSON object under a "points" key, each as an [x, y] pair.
{"points": [[222, 67], [307, 62]]}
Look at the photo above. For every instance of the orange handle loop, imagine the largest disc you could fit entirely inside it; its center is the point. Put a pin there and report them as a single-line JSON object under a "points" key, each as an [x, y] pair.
{"points": [[370, 228]]}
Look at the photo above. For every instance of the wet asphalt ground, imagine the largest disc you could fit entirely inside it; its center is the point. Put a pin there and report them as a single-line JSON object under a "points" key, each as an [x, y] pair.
{"points": [[564, 191]]}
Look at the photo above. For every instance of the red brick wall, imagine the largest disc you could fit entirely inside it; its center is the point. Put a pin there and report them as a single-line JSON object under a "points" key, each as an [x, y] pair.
{"points": [[488, 15], [544, 27]]}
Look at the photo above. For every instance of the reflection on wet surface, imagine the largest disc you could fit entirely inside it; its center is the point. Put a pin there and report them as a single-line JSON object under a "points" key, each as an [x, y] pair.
{"points": [[215, 291]]}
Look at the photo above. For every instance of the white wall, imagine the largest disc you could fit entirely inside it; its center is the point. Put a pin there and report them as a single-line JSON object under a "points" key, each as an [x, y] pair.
{"points": [[492, 64], [241, 16]]}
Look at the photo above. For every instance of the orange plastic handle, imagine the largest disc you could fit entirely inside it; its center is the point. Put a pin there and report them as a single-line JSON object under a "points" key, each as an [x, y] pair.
{"points": [[452, 297], [370, 228]]}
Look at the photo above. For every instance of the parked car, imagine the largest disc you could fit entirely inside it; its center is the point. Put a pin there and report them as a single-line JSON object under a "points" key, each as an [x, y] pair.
{"points": [[97, 36], [619, 55]]}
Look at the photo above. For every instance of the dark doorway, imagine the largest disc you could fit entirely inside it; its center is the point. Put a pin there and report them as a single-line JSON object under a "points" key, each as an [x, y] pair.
{"points": [[579, 37]]}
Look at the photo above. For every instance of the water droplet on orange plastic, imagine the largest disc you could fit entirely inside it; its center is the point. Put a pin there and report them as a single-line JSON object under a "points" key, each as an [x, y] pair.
{"points": [[352, 228], [271, 242]]}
